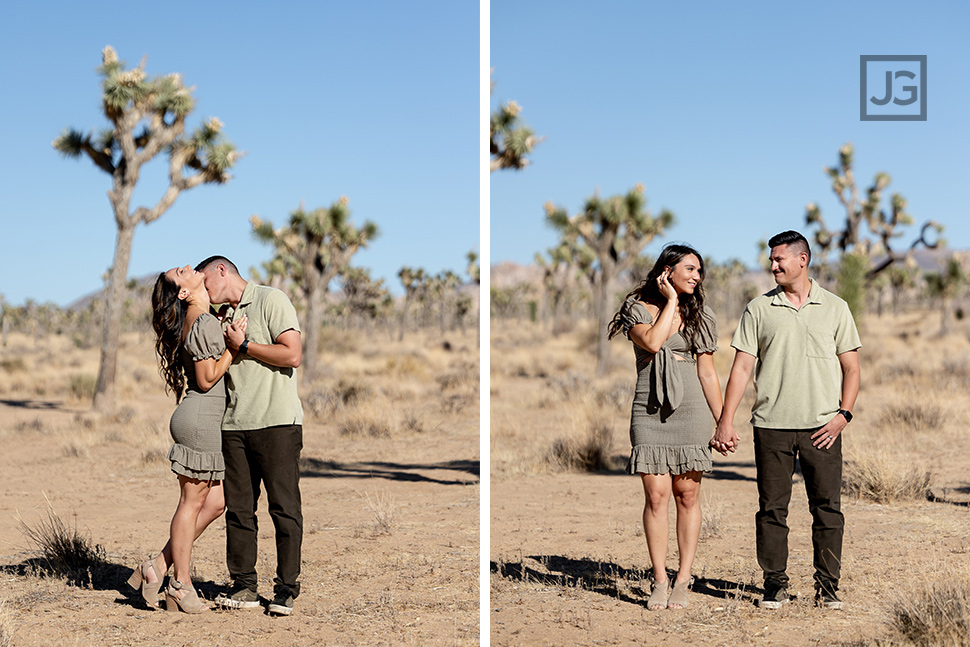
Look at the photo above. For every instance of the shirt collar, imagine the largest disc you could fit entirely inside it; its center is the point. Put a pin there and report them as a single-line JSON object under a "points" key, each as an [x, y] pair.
{"points": [[814, 296]]}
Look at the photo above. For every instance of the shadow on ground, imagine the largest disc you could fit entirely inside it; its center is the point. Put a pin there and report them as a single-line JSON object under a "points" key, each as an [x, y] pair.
{"points": [[605, 578], [315, 467], [104, 576]]}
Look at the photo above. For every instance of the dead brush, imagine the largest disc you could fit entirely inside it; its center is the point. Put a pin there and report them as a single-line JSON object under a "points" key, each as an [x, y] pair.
{"points": [[6, 626], [916, 416], [934, 611], [63, 550], [367, 422], [885, 477], [383, 512], [712, 517], [589, 449]]}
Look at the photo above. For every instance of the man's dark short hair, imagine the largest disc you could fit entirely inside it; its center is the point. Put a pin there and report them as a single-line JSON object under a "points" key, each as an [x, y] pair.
{"points": [[792, 239], [217, 259]]}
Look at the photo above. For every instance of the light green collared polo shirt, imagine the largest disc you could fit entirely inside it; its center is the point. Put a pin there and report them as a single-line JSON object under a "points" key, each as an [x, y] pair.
{"points": [[261, 395], [798, 378]]}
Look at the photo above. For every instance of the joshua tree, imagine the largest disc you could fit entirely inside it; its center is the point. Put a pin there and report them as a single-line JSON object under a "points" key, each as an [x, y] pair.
{"points": [[945, 286], [364, 298], [509, 139], [315, 246], [615, 229], [566, 263], [474, 269], [415, 283], [881, 224], [146, 118]]}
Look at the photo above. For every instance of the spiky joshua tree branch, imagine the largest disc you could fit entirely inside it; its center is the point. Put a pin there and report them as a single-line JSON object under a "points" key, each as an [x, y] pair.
{"points": [[146, 117]]}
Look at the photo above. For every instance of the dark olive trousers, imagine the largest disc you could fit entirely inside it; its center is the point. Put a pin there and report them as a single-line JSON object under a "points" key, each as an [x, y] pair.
{"points": [[270, 456], [775, 453]]}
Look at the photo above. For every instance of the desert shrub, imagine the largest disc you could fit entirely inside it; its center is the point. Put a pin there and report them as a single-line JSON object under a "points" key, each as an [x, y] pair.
{"points": [[336, 341], [366, 424], [411, 365], [13, 364], [62, 549], [885, 477], [33, 424], [383, 512], [82, 386], [351, 392], [712, 517], [934, 611], [617, 396], [6, 626], [569, 386], [917, 416], [589, 452], [412, 422]]}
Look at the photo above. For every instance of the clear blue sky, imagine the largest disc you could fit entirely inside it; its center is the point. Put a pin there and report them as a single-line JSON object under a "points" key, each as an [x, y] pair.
{"points": [[726, 112], [376, 100]]}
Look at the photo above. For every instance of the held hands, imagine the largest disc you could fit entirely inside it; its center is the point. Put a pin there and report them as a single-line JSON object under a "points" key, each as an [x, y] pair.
{"points": [[725, 439], [236, 332]]}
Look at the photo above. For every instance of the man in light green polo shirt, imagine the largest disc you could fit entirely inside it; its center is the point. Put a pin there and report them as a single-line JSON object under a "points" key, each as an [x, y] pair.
{"points": [[801, 343], [262, 434]]}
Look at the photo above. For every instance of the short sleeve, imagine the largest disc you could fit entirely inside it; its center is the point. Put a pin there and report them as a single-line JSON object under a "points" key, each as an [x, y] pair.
{"points": [[706, 341], [846, 335], [205, 338], [279, 313], [637, 313], [746, 336]]}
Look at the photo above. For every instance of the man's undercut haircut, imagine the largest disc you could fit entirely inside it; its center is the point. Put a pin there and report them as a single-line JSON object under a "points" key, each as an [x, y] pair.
{"points": [[217, 259], [794, 240]]}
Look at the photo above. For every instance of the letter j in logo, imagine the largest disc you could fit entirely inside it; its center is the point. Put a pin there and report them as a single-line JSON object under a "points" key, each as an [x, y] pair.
{"points": [[887, 82]]}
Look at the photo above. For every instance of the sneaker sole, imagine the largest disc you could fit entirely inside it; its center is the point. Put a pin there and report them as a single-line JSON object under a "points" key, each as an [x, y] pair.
{"points": [[229, 603], [280, 610], [769, 604], [833, 606]]}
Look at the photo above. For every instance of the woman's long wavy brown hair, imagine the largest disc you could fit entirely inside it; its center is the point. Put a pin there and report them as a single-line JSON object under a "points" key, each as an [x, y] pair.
{"points": [[168, 319], [691, 305]]}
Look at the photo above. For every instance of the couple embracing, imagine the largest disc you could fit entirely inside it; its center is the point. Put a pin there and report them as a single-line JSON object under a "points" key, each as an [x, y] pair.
{"points": [[238, 424], [801, 343]]}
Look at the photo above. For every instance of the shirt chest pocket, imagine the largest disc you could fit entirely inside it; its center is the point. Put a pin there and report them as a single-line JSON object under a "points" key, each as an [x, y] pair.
{"points": [[820, 343]]}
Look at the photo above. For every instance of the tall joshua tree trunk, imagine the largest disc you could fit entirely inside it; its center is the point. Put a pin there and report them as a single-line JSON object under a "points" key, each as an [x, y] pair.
{"points": [[158, 107], [614, 230], [314, 247]]}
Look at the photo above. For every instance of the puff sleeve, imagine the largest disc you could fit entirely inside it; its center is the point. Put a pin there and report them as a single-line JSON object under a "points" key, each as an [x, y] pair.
{"points": [[205, 338], [706, 341]]}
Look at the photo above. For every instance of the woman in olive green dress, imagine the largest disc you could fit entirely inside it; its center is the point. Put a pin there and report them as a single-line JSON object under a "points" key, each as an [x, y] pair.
{"points": [[193, 359], [674, 337]]}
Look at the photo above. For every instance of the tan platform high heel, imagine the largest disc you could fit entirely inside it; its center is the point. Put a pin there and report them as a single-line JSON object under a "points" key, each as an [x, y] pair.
{"points": [[139, 582], [189, 602]]}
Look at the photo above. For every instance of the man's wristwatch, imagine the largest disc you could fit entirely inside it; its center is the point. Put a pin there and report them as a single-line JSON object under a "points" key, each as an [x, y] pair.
{"points": [[846, 414], [244, 349]]}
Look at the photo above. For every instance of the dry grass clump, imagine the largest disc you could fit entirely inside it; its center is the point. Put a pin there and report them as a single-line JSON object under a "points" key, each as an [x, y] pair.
{"points": [[64, 551], [13, 364], [367, 422], [916, 416], [712, 517], [885, 477], [589, 448], [935, 611], [383, 512], [81, 387], [6, 626]]}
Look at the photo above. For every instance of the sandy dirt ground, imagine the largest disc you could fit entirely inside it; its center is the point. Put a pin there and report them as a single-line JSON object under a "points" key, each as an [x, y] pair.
{"points": [[569, 564], [390, 552]]}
